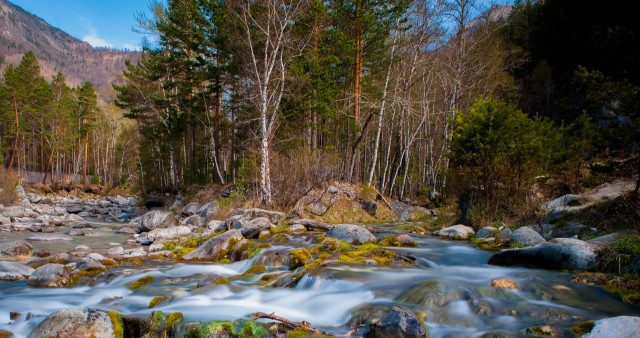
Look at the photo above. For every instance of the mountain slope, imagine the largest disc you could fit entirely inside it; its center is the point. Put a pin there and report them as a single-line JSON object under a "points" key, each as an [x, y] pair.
{"points": [[56, 50]]}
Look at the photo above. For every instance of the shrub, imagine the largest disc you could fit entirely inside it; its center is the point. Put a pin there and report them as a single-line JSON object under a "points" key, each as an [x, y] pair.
{"points": [[496, 153], [8, 182]]}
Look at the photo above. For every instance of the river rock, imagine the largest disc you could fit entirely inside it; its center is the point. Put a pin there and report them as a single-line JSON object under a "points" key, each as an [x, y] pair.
{"points": [[157, 220], [403, 210], [569, 230], [351, 233], [190, 209], [49, 276], [77, 322], [526, 236], [118, 250], [215, 247], [252, 228], [371, 208], [100, 258], [559, 253], [459, 231], [164, 234], [132, 253], [87, 264], [606, 239], [76, 232], [194, 221], [398, 322], [15, 249], [563, 201], [216, 226], [14, 271], [208, 210], [273, 216], [76, 209], [5, 220], [34, 198], [50, 237], [297, 227], [616, 327], [486, 232], [211, 279], [14, 212], [126, 230]]}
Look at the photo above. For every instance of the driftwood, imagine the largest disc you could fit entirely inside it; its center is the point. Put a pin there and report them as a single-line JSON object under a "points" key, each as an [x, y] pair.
{"points": [[295, 325], [289, 323], [312, 224]]}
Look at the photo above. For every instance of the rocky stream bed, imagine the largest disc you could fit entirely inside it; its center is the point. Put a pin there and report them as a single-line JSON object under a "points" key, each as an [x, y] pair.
{"points": [[103, 268]]}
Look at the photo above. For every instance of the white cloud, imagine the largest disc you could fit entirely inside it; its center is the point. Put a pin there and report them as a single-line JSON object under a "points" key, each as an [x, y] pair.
{"points": [[131, 46], [94, 40]]}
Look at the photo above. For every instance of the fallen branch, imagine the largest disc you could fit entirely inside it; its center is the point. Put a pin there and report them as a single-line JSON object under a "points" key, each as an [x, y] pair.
{"points": [[312, 224], [289, 323]]}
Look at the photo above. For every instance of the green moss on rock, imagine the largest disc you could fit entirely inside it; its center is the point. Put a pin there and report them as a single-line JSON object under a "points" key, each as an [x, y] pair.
{"points": [[141, 282], [583, 328], [298, 258], [116, 321]]}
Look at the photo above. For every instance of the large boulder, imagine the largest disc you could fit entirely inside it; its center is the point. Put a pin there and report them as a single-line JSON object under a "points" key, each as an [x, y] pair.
{"points": [[215, 247], [147, 238], [194, 221], [486, 232], [254, 227], [459, 231], [190, 209], [559, 253], [398, 323], [157, 220], [15, 249], [569, 230], [13, 271], [208, 210], [77, 322], [403, 210], [526, 236], [15, 212], [49, 276], [273, 216], [351, 233], [616, 327], [606, 239]]}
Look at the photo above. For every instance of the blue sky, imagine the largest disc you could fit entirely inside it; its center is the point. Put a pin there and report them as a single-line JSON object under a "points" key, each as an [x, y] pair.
{"points": [[106, 23]]}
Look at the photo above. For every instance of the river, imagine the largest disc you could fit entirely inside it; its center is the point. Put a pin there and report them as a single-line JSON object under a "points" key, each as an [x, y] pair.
{"points": [[449, 287]]}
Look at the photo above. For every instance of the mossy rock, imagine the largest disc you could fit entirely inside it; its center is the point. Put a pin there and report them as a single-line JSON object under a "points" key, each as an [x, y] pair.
{"points": [[141, 282], [298, 258], [157, 300], [5, 334], [118, 325], [161, 325], [582, 328], [235, 329], [256, 269]]}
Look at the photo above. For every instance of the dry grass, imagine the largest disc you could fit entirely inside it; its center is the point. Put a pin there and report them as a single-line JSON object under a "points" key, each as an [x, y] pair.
{"points": [[8, 182]]}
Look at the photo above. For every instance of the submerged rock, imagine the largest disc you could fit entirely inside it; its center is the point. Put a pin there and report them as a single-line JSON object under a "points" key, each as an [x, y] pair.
{"points": [[398, 322], [559, 253], [212, 279], [351, 233], [50, 237], [49, 276], [77, 322], [15, 249], [459, 231], [526, 236], [215, 247], [157, 220], [14, 271], [616, 327]]}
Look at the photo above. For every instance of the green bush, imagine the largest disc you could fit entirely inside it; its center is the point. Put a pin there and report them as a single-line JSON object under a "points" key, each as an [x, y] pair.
{"points": [[496, 153]]}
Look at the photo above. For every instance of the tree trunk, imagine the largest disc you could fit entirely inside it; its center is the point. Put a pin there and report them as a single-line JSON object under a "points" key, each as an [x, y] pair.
{"points": [[84, 170], [15, 142]]}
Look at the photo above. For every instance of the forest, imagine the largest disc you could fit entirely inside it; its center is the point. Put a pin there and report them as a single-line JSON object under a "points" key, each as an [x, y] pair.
{"points": [[417, 99]]}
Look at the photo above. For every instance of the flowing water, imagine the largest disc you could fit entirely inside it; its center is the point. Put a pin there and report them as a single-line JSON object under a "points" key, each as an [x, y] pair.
{"points": [[449, 287]]}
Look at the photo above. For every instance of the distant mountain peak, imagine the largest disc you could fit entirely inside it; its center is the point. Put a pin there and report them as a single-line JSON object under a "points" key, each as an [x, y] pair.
{"points": [[56, 50]]}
